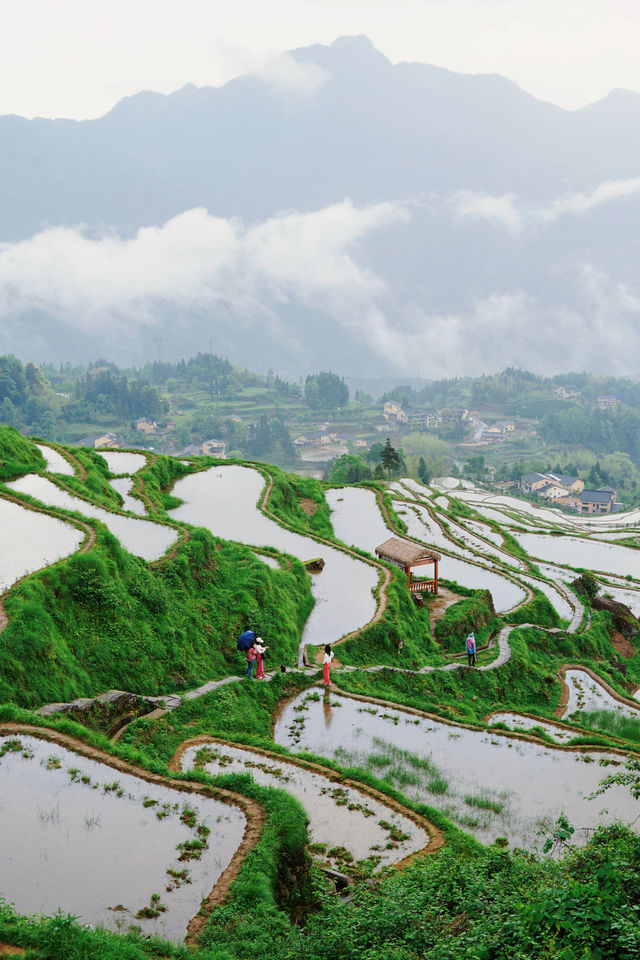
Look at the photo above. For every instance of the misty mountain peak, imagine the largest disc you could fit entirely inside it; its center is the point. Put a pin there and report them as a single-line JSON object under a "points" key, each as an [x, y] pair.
{"points": [[345, 55]]}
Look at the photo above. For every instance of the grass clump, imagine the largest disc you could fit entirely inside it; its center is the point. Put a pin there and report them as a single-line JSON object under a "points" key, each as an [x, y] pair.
{"points": [[611, 722], [18, 455]]}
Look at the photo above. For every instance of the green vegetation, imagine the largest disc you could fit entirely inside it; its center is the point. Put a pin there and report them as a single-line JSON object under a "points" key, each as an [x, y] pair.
{"points": [[624, 728], [17, 455], [106, 619], [472, 614]]}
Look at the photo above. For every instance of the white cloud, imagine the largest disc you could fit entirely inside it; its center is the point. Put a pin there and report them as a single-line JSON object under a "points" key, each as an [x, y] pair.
{"points": [[484, 206], [581, 203], [286, 76], [196, 260], [505, 211]]}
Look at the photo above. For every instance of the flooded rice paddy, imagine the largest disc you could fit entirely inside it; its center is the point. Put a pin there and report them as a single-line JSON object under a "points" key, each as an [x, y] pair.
{"points": [[518, 722], [105, 846], [120, 462], [576, 552], [341, 818], [36, 541], [56, 463], [357, 520], [585, 693], [490, 784], [141, 537], [223, 499], [123, 485]]}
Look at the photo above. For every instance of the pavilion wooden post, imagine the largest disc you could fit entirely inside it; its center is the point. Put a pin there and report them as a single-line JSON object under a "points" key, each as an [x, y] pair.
{"points": [[404, 554]]}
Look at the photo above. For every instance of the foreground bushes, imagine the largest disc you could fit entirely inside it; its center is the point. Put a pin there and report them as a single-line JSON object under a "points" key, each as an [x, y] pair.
{"points": [[491, 905]]}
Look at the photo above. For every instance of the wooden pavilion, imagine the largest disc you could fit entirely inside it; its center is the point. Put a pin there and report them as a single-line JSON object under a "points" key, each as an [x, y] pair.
{"points": [[406, 555]]}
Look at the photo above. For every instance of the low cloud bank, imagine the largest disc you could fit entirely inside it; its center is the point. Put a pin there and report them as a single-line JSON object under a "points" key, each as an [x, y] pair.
{"points": [[263, 279]]}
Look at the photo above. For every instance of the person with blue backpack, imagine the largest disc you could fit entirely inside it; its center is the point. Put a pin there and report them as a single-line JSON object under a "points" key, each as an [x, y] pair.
{"points": [[246, 644], [252, 655]]}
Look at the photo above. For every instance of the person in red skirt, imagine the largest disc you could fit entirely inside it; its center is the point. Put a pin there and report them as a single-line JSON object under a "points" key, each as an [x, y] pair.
{"points": [[326, 665], [260, 649]]}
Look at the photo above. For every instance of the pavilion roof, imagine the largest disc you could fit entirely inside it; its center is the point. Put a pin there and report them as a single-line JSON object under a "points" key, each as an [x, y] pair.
{"points": [[404, 553]]}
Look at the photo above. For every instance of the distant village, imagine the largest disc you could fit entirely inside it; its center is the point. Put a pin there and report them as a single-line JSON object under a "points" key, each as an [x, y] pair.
{"points": [[560, 490]]}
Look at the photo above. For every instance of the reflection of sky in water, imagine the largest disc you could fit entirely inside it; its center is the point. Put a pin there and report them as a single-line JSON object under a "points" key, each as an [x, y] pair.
{"points": [[223, 499], [123, 486], [585, 693], [330, 823], [31, 541], [588, 554], [56, 463], [141, 537], [120, 462]]}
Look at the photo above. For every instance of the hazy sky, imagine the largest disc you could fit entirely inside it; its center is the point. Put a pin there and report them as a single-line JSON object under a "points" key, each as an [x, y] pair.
{"points": [[76, 58]]}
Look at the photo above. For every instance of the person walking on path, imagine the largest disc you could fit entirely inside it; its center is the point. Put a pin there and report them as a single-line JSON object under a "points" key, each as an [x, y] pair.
{"points": [[260, 649], [326, 665], [251, 659], [470, 647]]}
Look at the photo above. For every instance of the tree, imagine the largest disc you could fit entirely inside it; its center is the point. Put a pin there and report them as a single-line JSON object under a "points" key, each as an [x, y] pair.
{"points": [[423, 472], [349, 469], [390, 458], [325, 390], [475, 465], [374, 451], [7, 412]]}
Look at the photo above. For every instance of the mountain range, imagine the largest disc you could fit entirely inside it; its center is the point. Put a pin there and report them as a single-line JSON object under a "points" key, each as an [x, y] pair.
{"points": [[336, 211]]}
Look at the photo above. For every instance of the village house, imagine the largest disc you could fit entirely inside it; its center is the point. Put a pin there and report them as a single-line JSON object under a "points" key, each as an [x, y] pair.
{"points": [[606, 402], [596, 501], [552, 491], [107, 441], [393, 411], [537, 482], [573, 484], [213, 448], [567, 393], [146, 426], [532, 482]]}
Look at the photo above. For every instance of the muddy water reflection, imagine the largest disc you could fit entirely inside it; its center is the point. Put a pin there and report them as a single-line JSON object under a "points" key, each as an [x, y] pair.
{"points": [[81, 848], [526, 782], [338, 816], [224, 499]]}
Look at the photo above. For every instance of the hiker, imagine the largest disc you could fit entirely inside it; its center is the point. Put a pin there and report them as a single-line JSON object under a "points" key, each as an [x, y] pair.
{"points": [[326, 665], [470, 647], [260, 649], [251, 659]]}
